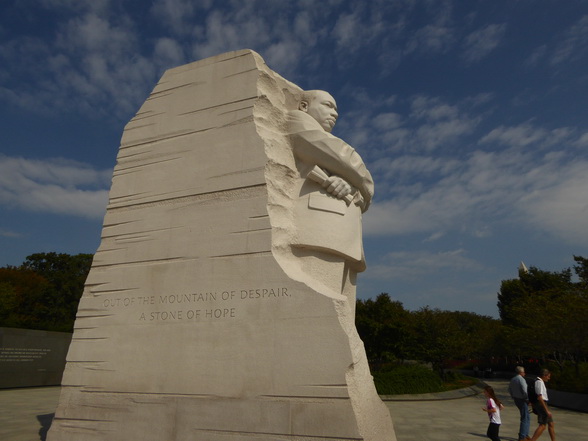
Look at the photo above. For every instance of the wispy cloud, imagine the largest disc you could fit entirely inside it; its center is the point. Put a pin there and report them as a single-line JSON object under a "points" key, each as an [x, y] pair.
{"points": [[561, 207], [410, 265], [480, 43], [574, 44], [566, 47], [10, 234], [177, 15], [524, 184], [95, 59], [430, 124], [53, 186], [526, 134], [91, 63], [435, 39]]}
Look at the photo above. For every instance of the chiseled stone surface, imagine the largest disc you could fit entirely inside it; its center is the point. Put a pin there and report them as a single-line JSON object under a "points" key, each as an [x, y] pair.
{"points": [[200, 320]]}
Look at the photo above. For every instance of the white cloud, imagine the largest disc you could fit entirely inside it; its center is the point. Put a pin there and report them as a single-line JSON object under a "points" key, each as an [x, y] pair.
{"points": [[431, 39], [176, 14], [432, 109], [574, 44], [10, 234], [78, 5], [481, 42], [96, 60], [224, 33], [54, 186], [564, 48], [406, 168], [560, 208], [526, 134], [387, 120], [536, 56], [168, 52], [347, 31], [582, 141], [433, 135], [435, 123], [430, 124], [90, 63], [544, 189], [411, 265]]}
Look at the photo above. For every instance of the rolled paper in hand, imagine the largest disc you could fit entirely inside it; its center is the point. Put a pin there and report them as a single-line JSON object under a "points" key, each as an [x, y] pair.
{"points": [[319, 176]]}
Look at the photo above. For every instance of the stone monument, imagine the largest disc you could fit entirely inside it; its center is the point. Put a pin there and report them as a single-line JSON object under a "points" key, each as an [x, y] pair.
{"points": [[220, 303]]}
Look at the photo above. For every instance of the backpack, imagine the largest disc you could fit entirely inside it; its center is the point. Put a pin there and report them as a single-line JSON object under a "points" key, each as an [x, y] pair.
{"points": [[531, 390]]}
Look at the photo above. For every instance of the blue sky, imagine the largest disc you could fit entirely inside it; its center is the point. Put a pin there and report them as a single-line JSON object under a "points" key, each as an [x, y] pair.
{"points": [[470, 114]]}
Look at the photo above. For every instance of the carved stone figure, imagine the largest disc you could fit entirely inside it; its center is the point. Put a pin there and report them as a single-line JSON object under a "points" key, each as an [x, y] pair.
{"points": [[337, 187], [334, 189], [219, 306]]}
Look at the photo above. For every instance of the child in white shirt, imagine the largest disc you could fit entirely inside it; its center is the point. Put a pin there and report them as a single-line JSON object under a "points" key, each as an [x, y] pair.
{"points": [[493, 406]]}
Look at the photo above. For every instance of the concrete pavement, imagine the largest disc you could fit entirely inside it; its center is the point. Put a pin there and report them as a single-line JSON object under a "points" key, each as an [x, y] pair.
{"points": [[463, 419], [25, 415]]}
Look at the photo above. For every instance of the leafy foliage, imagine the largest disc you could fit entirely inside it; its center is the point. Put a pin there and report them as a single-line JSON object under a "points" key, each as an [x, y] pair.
{"points": [[543, 317], [407, 379], [524, 289], [570, 377], [44, 292], [23, 298], [382, 325], [545, 313], [414, 378], [392, 333]]}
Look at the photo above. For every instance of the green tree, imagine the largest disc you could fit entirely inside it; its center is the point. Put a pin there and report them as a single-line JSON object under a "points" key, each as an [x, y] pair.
{"points": [[23, 299], [581, 270], [67, 275], [528, 285], [545, 313], [381, 323], [480, 335], [44, 292], [435, 337], [554, 326]]}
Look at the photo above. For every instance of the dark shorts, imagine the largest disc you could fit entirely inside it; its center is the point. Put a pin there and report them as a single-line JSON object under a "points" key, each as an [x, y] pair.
{"points": [[542, 417]]}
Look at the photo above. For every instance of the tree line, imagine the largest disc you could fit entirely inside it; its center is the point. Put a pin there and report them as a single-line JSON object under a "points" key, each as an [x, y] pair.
{"points": [[394, 334], [543, 321]]}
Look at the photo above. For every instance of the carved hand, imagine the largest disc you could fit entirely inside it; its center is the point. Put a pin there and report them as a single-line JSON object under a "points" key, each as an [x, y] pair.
{"points": [[337, 186], [319, 176]]}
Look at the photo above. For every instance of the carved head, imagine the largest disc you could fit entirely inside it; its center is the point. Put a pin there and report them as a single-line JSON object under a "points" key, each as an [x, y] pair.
{"points": [[321, 106]]}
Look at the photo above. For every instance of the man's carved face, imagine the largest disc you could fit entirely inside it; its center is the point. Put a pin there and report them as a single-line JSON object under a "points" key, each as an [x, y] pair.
{"points": [[323, 108]]}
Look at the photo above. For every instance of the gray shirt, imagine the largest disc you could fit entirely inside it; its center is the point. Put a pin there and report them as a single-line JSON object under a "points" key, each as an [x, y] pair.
{"points": [[518, 388]]}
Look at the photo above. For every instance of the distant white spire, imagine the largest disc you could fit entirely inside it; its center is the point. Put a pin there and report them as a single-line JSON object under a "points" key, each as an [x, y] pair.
{"points": [[523, 268]]}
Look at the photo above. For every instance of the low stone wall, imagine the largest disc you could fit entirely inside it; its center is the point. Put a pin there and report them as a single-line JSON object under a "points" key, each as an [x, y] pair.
{"points": [[568, 400], [32, 358]]}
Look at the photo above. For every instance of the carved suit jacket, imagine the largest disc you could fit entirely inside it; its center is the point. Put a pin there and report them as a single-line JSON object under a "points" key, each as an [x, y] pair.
{"points": [[322, 221]]}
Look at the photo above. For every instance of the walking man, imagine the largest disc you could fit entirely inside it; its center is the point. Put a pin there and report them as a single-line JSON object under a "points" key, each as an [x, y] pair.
{"points": [[518, 391], [544, 416]]}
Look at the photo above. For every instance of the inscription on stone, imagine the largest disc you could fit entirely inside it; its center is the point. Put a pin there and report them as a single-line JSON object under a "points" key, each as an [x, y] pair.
{"points": [[178, 307], [22, 354]]}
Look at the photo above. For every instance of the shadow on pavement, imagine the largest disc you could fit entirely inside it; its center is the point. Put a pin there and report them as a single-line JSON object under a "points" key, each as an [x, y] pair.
{"points": [[506, 438], [45, 421]]}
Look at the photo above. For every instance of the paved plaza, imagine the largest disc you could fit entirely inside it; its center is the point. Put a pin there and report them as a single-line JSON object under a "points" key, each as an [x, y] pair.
{"points": [[25, 415], [463, 419]]}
